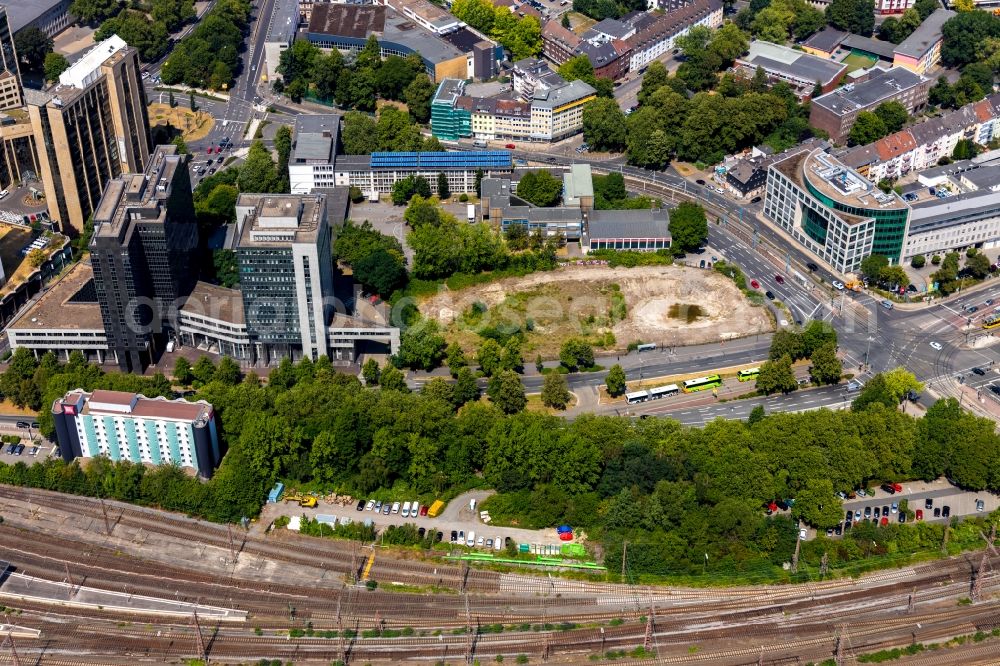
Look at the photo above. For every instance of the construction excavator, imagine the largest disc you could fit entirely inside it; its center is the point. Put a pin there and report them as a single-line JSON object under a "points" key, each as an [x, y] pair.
{"points": [[307, 501]]}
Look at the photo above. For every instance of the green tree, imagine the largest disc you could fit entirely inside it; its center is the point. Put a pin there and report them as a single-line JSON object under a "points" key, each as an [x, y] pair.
{"points": [[555, 391], [421, 346], [873, 265], [918, 261], [94, 11], [381, 272], [816, 334], [979, 266], [455, 358], [965, 149], [54, 65], [204, 370], [817, 505], [488, 356], [564, 21], [900, 382], [688, 226], [283, 146], [257, 173], [182, 371], [964, 37], [506, 392], [392, 379], [604, 125], [875, 392], [867, 128], [655, 78], [226, 268], [442, 186], [756, 415], [228, 372], [925, 8], [32, 45], [150, 38], [418, 95], [857, 16], [576, 353], [787, 342], [893, 115], [615, 381], [370, 371], [465, 389], [181, 145], [825, 367], [172, 13], [540, 188], [777, 376]]}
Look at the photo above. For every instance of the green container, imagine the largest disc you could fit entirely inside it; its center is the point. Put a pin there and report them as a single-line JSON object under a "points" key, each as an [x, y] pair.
{"points": [[523, 548]]}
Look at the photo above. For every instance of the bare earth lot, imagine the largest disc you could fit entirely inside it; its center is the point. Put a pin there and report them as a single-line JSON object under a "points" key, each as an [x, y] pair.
{"points": [[643, 304]]}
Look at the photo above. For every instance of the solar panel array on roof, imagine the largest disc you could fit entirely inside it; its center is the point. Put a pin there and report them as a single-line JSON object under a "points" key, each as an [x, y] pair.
{"points": [[485, 159]]}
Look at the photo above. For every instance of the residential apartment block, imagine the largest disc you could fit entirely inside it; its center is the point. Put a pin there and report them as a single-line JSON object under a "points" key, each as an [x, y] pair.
{"points": [[836, 111], [551, 114], [922, 49], [130, 426], [921, 146], [10, 73], [89, 129], [659, 35], [833, 211]]}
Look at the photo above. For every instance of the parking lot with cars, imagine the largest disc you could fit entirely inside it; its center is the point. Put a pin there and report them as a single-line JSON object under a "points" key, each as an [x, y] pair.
{"points": [[28, 446], [460, 522], [935, 501]]}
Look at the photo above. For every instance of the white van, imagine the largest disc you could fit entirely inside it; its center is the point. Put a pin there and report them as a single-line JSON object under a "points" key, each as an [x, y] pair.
{"points": [[395, 507], [498, 543], [471, 541], [406, 509], [415, 509], [479, 143]]}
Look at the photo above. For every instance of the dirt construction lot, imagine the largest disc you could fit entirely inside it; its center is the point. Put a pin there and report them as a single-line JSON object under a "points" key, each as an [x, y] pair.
{"points": [[668, 305]]}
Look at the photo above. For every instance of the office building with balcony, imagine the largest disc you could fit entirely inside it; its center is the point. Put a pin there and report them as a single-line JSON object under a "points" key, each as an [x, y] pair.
{"points": [[89, 129], [129, 426], [833, 211], [143, 252]]}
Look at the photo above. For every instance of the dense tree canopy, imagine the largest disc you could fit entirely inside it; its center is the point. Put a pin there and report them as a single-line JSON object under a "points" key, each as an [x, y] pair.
{"points": [[965, 36], [688, 226], [857, 16], [32, 45], [521, 36], [209, 57]]}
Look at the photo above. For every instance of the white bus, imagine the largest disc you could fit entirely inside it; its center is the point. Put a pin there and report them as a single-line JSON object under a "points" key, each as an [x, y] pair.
{"points": [[663, 391], [649, 346], [636, 397]]}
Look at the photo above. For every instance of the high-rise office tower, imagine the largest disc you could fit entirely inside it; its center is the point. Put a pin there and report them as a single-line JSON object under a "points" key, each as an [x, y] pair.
{"points": [[90, 128], [10, 74], [286, 272], [144, 253]]}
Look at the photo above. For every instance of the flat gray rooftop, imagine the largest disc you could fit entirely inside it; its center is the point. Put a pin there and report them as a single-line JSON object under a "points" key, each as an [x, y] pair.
{"points": [[629, 224], [926, 34], [866, 94], [22, 12]]}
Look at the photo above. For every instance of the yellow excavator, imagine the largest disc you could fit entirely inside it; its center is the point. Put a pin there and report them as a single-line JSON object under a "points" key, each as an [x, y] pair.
{"points": [[304, 500]]}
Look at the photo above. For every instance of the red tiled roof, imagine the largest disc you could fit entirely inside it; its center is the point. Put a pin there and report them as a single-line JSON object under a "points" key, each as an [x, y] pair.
{"points": [[895, 145]]}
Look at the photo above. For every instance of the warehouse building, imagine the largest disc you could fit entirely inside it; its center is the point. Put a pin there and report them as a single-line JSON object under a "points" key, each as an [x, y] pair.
{"points": [[130, 426]]}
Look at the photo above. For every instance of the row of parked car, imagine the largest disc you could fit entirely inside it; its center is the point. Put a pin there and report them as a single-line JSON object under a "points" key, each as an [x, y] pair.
{"points": [[459, 537], [407, 510], [18, 449]]}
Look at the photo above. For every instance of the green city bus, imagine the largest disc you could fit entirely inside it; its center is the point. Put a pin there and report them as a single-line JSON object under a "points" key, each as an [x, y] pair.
{"points": [[748, 374], [702, 383]]}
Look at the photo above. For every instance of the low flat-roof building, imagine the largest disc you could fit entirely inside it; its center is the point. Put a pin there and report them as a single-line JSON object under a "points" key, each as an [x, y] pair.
{"points": [[378, 172], [835, 112], [130, 426], [64, 319], [922, 49], [314, 150], [873, 48], [799, 69], [825, 42], [956, 222], [578, 187], [347, 27], [285, 19], [211, 319], [636, 230]]}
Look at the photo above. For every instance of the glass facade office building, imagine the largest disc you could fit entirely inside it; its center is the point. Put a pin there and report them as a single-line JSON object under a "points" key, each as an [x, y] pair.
{"points": [[834, 212]]}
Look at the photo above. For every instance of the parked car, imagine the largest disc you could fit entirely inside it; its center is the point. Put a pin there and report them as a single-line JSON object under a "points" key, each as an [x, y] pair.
{"points": [[387, 509], [510, 146], [769, 295], [945, 510], [361, 505], [802, 534], [937, 512], [837, 284], [421, 532], [378, 506], [838, 530], [929, 502], [888, 488], [371, 505], [857, 515], [812, 266], [980, 506], [895, 507], [779, 279], [877, 512], [755, 200], [19, 449], [423, 511], [755, 284], [885, 510], [34, 451], [979, 371], [884, 521], [902, 517], [700, 181], [936, 345], [868, 511], [920, 514], [454, 536]]}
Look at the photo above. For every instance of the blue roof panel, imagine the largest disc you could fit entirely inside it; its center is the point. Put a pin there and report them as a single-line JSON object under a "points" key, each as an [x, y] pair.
{"points": [[483, 159]]}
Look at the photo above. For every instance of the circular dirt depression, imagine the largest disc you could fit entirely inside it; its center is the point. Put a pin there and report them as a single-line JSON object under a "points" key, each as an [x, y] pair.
{"points": [[658, 302]]}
